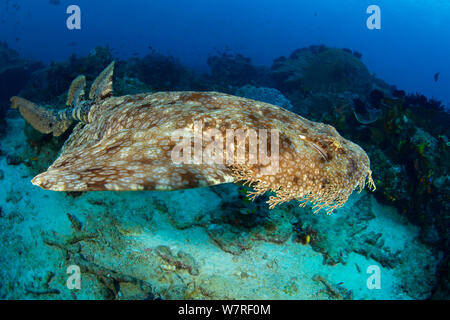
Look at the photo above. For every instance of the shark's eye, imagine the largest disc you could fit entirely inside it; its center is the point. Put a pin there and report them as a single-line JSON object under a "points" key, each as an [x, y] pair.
{"points": [[316, 147], [319, 150]]}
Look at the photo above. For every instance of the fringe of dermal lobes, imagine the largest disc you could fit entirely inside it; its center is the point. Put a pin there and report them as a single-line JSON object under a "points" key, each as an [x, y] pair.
{"points": [[47, 120], [329, 199]]}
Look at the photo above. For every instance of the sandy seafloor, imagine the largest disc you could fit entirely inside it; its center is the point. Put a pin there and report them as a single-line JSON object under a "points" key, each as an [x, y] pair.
{"points": [[131, 227]]}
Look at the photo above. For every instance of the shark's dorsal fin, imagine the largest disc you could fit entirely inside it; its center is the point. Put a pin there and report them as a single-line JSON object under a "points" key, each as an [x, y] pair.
{"points": [[102, 86], [76, 91]]}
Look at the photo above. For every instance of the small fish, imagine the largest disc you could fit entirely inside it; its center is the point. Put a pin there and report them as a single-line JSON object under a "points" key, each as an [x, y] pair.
{"points": [[308, 239], [436, 76]]}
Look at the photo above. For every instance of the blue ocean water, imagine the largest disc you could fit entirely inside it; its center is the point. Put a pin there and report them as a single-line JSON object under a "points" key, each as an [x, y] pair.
{"points": [[384, 89], [409, 49]]}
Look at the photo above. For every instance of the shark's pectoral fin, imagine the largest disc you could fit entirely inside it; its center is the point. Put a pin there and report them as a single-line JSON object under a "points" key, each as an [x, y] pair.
{"points": [[61, 127], [116, 164]]}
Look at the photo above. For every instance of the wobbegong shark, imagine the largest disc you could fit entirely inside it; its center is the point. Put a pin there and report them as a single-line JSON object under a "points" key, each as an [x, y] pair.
{"points": [[125, 143]]}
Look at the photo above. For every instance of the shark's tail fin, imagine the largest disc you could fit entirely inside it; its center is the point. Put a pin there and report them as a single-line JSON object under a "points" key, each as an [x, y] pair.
{"points": [[42, 119], [50, 121]]}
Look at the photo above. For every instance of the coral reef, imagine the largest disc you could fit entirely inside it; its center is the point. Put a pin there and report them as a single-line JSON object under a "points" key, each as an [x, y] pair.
{"points": [[268, 95], [325, 83], [406, 135], [321, 69], [237, 70], [212, 243], [161, 72], [422, 157]]}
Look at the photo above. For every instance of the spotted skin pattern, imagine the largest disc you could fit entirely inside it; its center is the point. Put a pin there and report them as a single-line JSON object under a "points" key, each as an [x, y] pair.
{"points": [[127, 144]]}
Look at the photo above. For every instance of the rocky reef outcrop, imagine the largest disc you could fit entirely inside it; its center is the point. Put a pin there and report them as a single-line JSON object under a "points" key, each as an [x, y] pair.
{"points": [[237, 70], [268, 95], [322, 69], [318, 79]]}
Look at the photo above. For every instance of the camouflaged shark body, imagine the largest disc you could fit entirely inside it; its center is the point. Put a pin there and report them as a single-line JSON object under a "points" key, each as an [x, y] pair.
{"points": [[126, 143]]}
